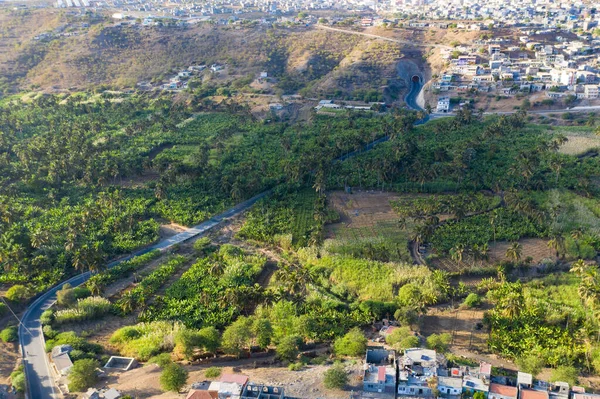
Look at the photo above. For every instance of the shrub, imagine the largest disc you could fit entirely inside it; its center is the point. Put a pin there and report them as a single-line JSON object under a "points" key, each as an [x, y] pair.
{"points": [[70, 338], [335, 377], [212, 372], [66, 296], [9, 334], [531, 364], [17, 379], [17, 293], [472, 300], [353, 343], [49, 332], [289, 347], [173, 377], [83, 375], [567, 374], [161, 360], [3, 309], [439, 342], [201, 245], [47, 317], [89, 308], [295, 366]]}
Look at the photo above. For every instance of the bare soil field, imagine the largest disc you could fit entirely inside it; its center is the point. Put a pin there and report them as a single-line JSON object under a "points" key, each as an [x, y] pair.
{"points": [[144, 381], [365, 210], [468, 338]]}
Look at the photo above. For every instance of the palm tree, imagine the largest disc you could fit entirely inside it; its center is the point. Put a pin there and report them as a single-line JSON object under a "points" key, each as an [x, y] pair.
{"points": [[557, 244], [514, 252]]}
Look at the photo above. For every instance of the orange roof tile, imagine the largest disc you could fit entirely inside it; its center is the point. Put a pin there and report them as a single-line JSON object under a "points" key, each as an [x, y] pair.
{"points": [[503, 390]]}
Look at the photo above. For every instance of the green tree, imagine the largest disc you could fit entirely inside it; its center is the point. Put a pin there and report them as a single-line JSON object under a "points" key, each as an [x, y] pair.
{"points": [[478, 395], [237, 336], [209, 339], [83, 375], [263, 332], [353, 343], [173, 377], [335, 377], [439, 342], [514, 252], [289, 347]]}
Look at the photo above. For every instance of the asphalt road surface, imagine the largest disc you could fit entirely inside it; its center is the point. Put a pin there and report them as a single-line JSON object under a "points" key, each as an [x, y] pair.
{"points": [[40, 381]]}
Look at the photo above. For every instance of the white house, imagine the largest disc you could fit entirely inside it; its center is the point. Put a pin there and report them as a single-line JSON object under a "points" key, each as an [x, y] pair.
{"points": [[443, 104]]}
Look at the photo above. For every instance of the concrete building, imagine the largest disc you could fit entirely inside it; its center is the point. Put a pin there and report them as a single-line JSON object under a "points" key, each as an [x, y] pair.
{"points": [[379, 378]]}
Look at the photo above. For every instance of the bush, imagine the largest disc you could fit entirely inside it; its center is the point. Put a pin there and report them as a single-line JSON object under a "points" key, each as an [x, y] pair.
{"points": [[212, 372], [335, 377], [353, 343], [161, 360], [567, 374], [3, 309], [86, 309], [17, 293], [66, 296], [70, 338], [47, 317], [9, 334], [439, 342], [472, 300], [202, 244], [289, 347], [531, 364], [173, 377], [17, 379], [49, 332], [83, 375], [295, 366]]}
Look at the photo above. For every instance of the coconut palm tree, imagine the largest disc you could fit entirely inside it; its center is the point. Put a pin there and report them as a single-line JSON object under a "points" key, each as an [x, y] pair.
{"points": [[514, 252]]}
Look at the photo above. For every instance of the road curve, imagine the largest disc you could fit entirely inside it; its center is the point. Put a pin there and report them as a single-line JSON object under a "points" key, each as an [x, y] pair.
{"points": [[40, 380], [389, 39]]}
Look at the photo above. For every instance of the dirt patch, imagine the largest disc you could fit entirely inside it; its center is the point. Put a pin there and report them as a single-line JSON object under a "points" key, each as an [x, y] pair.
{"points": [[469, 339], [535, 248], [9, 360], [362, 209], [144, 381]]}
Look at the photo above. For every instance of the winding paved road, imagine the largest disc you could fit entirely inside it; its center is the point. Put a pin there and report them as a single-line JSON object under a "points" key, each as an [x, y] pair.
{"points": [[40, 380]]}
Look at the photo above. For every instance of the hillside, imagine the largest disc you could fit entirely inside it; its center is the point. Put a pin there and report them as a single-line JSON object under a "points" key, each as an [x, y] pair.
{"points": [[81, 52]]}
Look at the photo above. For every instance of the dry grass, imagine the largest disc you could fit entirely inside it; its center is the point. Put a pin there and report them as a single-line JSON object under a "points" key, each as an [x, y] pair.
{"points": [[580, 144]]}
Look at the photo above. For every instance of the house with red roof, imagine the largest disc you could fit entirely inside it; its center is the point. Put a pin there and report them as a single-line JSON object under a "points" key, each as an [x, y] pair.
{"points": [[499, 391], [533, 394]]}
